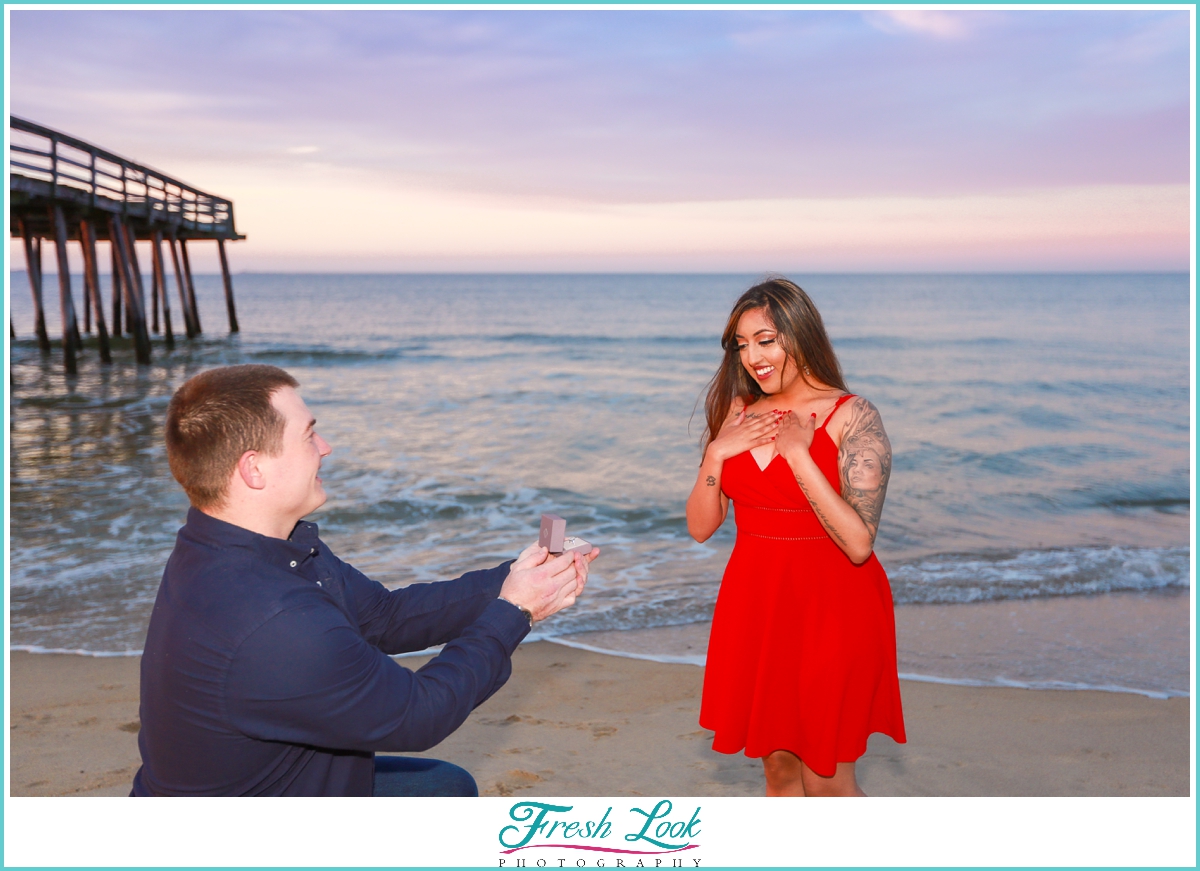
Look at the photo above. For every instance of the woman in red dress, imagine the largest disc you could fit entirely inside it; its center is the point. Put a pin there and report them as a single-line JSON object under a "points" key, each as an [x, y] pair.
{"points": [[802, 657]]}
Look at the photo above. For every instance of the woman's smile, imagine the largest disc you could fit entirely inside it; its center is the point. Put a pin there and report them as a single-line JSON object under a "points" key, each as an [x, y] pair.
{"points": [[761, 353]]}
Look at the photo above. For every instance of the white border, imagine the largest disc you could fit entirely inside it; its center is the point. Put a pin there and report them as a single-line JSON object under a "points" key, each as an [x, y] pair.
{"points": [[1098, 832], [733, 832]]}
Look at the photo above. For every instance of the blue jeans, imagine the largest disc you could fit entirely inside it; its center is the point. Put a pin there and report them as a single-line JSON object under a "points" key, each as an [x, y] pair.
{"points": [[412, 776]]}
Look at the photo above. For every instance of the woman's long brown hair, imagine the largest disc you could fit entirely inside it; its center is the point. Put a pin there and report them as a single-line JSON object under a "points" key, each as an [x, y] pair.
{"points": [[802, 334]]}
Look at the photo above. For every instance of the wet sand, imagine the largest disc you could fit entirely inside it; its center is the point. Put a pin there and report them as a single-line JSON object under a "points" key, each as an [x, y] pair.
{"points": [[576, 723], [1131, 640]]}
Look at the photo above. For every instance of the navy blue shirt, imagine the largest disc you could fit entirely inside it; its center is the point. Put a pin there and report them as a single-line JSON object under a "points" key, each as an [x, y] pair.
{"points": [[266, 667]]}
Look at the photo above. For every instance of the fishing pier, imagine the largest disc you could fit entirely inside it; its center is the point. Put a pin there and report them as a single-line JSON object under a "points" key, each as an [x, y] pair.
{"points": [[66, 190]]}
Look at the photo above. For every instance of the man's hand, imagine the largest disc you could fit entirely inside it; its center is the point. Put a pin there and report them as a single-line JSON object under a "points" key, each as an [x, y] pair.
{"points": [[546, 586]]}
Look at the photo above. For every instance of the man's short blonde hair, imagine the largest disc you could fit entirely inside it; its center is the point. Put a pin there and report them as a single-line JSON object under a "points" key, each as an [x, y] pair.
{"points": [[217, 416]]}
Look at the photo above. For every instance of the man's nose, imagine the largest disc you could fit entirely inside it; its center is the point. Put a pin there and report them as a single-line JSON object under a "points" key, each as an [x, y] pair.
{"points": [[323, 447]]}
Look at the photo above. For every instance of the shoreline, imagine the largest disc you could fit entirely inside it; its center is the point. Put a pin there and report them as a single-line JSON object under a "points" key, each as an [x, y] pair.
{"points": [[564, 641], [576, 723], [1125, 642]]}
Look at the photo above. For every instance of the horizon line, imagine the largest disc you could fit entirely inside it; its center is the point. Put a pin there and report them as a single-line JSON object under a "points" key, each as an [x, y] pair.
{"points": [[765, 273]]}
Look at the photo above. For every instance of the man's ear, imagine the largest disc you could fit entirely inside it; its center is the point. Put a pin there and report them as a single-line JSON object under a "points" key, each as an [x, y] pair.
{"points": [[249, 472]]}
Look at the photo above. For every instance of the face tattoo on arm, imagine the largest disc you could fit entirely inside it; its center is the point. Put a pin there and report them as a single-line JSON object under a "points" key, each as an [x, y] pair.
{"points": [[865, 463]]}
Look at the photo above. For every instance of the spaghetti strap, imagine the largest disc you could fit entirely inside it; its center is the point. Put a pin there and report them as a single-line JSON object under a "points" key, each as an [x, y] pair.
{"points": [[836, 406]]}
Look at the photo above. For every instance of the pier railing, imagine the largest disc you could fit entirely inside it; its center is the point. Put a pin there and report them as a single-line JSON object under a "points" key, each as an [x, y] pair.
{"points": [[45, 162]]}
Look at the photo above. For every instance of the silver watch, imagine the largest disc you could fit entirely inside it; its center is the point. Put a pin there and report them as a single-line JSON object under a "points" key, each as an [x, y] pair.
{"points": [[528, 614]]}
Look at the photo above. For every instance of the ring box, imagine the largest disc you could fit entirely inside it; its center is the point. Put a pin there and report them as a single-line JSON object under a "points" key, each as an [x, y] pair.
{"points": [[553, 536]]}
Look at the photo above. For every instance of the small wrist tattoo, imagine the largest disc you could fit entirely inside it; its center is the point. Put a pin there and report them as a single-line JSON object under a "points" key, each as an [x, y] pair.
{"points": [[710, 481]]}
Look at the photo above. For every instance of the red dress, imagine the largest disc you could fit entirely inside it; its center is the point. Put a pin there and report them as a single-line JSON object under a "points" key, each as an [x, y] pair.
{"points": [[802, 655]]}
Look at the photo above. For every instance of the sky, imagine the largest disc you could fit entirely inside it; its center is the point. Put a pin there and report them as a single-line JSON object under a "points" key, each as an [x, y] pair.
{"points": [[644, 140]]}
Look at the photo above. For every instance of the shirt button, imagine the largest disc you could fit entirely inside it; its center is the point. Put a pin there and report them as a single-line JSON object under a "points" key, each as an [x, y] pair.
{"points": [[319, 584], [293, 563], [313, 551]]}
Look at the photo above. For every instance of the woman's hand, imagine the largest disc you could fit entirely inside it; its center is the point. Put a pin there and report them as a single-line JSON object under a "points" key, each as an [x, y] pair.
{"points": [[795, 433], [741, 432], [707, 505]]}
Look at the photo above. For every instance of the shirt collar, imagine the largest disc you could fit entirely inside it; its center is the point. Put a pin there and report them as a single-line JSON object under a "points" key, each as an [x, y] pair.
{"points": [[217, 533]]}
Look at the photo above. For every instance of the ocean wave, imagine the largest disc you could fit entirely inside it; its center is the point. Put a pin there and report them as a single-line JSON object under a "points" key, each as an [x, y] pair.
{"points": [[1002, 682], [385, 349], [1166, 504], [567, 338], [365, 502], [998, 682], [289, 357], [955, 578], [699, 659], [74, 651]]}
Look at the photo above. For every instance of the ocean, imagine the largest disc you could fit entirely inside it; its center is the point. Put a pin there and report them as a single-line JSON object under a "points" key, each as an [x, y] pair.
{"points": [[1040, 426]]}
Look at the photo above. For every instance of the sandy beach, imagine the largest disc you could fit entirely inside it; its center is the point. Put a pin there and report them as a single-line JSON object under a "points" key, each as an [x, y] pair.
{"points": [[575, 723]]}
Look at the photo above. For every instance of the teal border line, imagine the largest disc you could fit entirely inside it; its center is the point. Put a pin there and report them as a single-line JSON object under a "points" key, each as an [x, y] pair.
{"points": [[562, 5], [449, 4]]}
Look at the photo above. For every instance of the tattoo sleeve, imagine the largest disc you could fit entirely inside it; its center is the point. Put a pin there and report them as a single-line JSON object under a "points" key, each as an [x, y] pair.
{"points": [[865, 463]]}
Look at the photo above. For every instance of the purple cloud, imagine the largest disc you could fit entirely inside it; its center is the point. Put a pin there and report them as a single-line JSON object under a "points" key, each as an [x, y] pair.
{"points": [[629, 105]]}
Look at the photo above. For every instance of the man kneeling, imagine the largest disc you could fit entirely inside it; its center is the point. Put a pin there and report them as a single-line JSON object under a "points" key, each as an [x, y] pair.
{"points": [[266, 669]]}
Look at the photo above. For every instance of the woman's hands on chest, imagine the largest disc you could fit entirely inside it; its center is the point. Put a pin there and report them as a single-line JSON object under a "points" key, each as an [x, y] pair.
{"points": [[798, 426], [742, 431]]}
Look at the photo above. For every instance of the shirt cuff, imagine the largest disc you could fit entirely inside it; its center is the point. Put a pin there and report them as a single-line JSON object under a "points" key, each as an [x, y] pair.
{"points": [[507, 623]]}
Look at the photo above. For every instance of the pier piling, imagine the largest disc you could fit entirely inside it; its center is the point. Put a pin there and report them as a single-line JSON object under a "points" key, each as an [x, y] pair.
{"points": [[154, 304], [91, 285], [160, 287], [129, 243], [117, 329], [135, 315], [233, 324], [33, 266], [67, 306], [87, 299], [189, 321], [187, 274]]}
